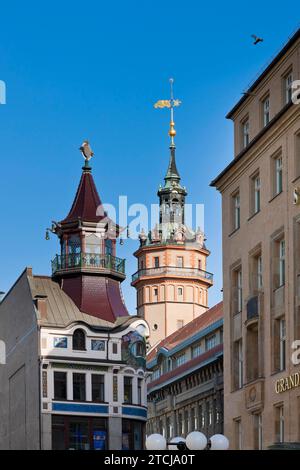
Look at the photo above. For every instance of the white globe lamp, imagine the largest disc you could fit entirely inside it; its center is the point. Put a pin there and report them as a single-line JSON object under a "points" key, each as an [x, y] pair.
{"points": [[156, 442], [196, 441], [219, 442]]}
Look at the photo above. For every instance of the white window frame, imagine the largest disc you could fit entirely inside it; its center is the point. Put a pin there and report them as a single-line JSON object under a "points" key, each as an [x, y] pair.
{"points": [[282, 262], [259, 268], [246, 133], [241, 365], [288, 81], [282, 344], [256, 184], [266, 110], [239, 290], [278, 175], [237, 211], [281, 424]]}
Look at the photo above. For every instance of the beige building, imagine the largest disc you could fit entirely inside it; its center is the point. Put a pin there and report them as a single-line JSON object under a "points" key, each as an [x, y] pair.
{"points": [[261, 263]]}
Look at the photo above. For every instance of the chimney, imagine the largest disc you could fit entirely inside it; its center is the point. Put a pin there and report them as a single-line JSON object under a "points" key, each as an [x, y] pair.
{"points": [[41, 305]]}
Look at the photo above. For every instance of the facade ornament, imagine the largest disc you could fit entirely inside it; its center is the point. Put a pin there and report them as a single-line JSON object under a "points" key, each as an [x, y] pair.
{"points": [[200, 237]]}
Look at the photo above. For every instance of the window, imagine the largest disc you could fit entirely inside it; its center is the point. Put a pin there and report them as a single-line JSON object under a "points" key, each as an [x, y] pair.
{"points": [[60, 385], [180, 292], [156, 261], [108, 246], [61, 342], [256, 194], [282, 343], [115, 348], [79, 433], [266, 111], [79, 340], [238, 434], [98, 345], [281, 263], [196, 350], [259, 272], [236, 211], [210, 342], [238, 364], [79, 387], [258, 436], [180, 360], [180, 324], [155, 294], [246, 135], [179, 261], [98, 394], [279, 423], [278, 175], [288, 80], [140, 391], [127, 389], [239, 290], [199, 264], [132, 435]]}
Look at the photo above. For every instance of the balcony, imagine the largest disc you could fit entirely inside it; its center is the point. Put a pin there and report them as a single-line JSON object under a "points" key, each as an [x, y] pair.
{"points": [[173, 271], [88, 262], [254, 308]]}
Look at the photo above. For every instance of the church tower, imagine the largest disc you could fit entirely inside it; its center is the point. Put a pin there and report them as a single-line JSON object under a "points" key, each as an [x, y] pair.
{"points": [[171, 282], [87, 267]]}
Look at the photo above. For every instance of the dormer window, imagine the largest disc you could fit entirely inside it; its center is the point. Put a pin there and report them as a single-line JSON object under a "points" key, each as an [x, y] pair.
{"points": [[79, 340]]}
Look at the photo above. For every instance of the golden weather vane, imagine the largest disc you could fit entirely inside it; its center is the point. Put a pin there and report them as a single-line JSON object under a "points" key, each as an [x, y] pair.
{"points": [[171, 104]]}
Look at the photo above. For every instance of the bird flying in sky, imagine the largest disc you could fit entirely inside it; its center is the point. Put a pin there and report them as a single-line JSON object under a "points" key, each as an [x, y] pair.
{"points": [[256, 39]]}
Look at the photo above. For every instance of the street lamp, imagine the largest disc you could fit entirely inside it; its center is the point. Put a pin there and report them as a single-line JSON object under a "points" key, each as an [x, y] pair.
{"points": [[194, 441]]}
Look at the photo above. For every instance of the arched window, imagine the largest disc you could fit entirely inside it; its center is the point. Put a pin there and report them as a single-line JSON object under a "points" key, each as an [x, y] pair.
{"points": [[79, 340]]}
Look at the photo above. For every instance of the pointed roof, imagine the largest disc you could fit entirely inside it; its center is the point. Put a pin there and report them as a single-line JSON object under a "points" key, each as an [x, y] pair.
{"points": [[87, 202], [172, 172]]}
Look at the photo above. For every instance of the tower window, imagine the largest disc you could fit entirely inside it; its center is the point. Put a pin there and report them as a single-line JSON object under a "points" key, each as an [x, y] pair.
{"points": [[156, 261], [108, 247], [127, 389], [79, 340], [179, 261]]}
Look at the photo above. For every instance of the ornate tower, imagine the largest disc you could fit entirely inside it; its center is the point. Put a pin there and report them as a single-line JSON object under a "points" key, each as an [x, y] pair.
{"points": [[171, 282], [87, 268]]}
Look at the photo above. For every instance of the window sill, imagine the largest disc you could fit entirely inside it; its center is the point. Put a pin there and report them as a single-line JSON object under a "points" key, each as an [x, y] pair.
{"points": [[234, 231], [253, 215], [275, 196]]}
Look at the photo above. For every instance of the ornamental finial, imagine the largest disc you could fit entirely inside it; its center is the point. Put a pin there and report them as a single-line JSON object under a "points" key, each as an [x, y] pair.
{"points": [[171, 104]]}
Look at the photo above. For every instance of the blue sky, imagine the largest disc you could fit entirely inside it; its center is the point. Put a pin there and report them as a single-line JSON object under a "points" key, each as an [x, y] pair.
{"points": [[93, 69]]}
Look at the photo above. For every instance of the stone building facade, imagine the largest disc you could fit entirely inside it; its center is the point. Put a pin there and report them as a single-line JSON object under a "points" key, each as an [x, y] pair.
{"points": [[261, 245]]}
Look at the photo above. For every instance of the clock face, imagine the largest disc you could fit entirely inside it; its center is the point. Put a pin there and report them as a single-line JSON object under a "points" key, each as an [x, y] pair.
{"points": [[98, 345]]}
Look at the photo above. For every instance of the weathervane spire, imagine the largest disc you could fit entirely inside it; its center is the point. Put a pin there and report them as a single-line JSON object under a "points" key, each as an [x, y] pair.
{"points": [[171, 104]]}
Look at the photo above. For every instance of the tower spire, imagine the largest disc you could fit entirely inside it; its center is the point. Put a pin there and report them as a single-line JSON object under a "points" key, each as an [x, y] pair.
{"points": [[170, 104]]}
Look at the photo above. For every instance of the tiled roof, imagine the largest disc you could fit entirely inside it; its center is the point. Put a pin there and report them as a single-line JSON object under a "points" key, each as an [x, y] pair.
{"points": [[86, 202], [199, 323]]}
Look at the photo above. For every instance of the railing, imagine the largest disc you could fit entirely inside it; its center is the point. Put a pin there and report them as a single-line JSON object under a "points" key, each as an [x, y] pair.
{"points": [[88, 260], [164, 270]]}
